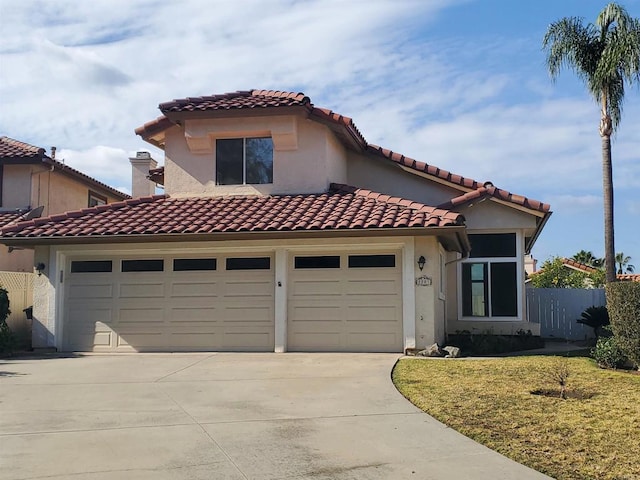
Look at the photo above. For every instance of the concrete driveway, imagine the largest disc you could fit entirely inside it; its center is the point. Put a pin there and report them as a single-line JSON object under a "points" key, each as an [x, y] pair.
{"points": [[226, 416]]}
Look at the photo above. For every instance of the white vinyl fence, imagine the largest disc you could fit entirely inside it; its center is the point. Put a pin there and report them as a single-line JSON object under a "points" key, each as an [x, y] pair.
{"points": [[19, 286], [556, 309]]}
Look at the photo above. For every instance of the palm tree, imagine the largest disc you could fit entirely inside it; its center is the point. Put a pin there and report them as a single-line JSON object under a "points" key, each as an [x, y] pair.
{"points": [[605, 56], [587, 258], [623, 263]]}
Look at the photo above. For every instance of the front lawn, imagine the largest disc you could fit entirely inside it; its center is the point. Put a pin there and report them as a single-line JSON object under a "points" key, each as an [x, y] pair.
{"points": [[593, 434]]}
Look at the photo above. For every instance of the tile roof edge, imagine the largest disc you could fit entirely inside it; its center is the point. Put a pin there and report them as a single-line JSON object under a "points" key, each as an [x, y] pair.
{"points": [[459, 180], [17, 226], [455, 217]]}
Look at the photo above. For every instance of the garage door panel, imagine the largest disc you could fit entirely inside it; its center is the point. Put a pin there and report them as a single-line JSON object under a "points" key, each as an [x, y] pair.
{"points": [[88, 290], [192, 315], [316, 288], [195, 289], [141, 290], [370, 313], [87, 314], [353, 308], [248, 289], [307, 313], [141, 341], [366, 342], [140, 315], [210, 309]]}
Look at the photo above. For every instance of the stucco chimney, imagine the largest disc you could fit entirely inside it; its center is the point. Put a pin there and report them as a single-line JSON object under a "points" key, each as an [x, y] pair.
{"points": [[141, 186]]}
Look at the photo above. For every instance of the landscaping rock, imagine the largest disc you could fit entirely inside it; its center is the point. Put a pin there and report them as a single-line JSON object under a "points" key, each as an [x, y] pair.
{"points": [[452, 352], [433, 351]]}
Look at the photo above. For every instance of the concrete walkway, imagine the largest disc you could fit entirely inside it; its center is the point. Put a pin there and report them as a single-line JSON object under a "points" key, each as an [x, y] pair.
{"points": [[228, 417]]}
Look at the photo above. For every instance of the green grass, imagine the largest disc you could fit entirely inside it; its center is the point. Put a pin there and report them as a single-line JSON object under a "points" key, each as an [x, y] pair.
{"points": [[593, 434]]}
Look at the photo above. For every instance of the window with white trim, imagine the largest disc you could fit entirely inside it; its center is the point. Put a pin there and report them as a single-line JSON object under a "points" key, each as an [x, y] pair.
{"points": [[241, 161], [490, 277]]}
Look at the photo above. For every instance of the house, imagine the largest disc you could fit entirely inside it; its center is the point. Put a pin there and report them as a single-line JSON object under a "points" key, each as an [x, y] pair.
{"points": [[281, 229], [33, 184]]}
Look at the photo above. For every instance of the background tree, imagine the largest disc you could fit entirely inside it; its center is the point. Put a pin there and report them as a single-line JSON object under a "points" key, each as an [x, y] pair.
{"points": [[623, 263], [554, 274], [605, 56], [588, 258]]}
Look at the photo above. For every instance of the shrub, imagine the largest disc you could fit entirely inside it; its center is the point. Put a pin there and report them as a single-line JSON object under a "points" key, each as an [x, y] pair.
{"points": [[6, 336], [623, 303], [487, 343], [596, 318], [607, 353]]}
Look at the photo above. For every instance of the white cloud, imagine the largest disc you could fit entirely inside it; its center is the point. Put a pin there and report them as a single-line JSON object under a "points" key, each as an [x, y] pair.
{"points": [[576, 203]]}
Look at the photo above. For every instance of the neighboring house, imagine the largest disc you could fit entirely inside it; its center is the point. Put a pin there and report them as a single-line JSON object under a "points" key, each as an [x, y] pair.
{"points": [[571, 264], [281, 228], [34, 184]]}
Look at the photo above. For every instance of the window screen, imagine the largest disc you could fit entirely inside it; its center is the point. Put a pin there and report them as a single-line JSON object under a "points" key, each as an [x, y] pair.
{"points": [[229, 161], [504, 290]]}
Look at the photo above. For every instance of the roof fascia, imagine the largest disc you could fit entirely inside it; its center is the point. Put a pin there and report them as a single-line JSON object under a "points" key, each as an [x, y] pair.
{"points": [[455, 236]]}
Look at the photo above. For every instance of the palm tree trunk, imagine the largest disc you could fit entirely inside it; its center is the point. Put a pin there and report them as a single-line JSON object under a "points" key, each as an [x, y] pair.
{"points": [[607, 190]]}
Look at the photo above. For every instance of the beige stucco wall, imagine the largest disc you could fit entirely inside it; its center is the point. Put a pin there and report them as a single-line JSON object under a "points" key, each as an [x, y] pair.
{"points": [[16, 186], [43, 328], [33, 186], [489, 214], [429, 318], [383, 176], [59, 193], [307, 157]]}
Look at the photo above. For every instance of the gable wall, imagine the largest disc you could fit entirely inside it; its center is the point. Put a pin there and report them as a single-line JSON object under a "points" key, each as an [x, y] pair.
{"points": [[307, 157], [16, 186], [382, 176]]}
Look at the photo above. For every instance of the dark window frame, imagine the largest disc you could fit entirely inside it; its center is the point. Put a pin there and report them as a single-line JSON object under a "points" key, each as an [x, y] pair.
{"points": [[493, 245], [192, 265], [316, 262], [149, 262], [244, 160], [381, 260], [233, 264], [97, 196], [82, 266]]}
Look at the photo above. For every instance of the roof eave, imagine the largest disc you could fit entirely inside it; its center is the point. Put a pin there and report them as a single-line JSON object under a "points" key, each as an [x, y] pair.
{"points": [[454, 237], [537, 232]]}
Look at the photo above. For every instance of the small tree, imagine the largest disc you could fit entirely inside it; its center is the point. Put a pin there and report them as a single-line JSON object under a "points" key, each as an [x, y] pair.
{"points": [[554, 274], [558, 373], [595, 317]]}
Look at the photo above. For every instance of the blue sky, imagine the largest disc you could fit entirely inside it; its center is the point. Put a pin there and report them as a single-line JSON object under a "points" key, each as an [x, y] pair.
{"points": [[454, 83]]}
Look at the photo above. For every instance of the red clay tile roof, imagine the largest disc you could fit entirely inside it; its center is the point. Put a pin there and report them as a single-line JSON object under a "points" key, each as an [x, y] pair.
{"points": [[628, 277], [341, 208], [488, 190], [236, 100], [9, 217], [260, 99], [11, 149], [569, 262]]}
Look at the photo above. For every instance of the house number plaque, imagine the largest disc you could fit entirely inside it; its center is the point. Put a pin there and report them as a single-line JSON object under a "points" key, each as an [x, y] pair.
{"points": [[423, 281]]}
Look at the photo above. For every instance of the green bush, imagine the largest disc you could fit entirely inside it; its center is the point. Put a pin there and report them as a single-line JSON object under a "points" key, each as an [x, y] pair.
{"points": [[6, 336], [623, 304], [607, 353], [487, 343]]}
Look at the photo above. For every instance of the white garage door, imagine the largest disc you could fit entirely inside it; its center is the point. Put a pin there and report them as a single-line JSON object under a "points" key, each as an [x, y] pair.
{"points": [[345, 302], [170, 304]]}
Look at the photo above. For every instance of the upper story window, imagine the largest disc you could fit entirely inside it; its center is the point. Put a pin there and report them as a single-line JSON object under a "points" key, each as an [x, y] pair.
{"points": [[242, 161], [96, 199]]}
